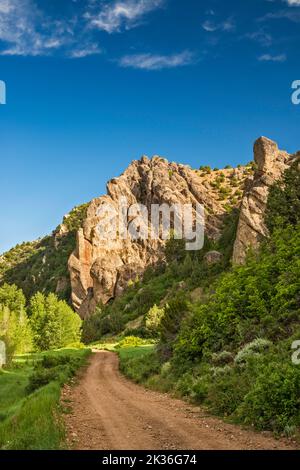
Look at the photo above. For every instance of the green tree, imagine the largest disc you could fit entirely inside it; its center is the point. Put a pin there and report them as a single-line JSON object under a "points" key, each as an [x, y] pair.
{"points": [[283, 206], [175, 249], [54, 323], [12, 297], [175, 312], [15, 330]]}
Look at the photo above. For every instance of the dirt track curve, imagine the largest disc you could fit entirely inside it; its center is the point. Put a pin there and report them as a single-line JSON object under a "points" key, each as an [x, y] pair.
{"points": [[111, 413]]}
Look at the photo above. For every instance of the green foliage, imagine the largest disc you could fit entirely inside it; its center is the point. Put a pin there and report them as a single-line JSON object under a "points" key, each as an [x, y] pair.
{"points": [[40, 265], [54, 324], [273, 402], [14, 325], [175, 310], [222, 358], [205, 168], [135, 302], [259, 299], [74, 220], [153, 318], [40, 378], [51, 368], [230, 351], [257, 346], [141, 364], [12, 297], [284, 200], [175, 249], [233, 353], [31, 420], [130, 342]]}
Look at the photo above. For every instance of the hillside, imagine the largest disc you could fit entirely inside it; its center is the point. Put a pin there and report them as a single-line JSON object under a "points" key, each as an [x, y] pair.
{"points": [[42, 265], [227, 337], [219, 324]]}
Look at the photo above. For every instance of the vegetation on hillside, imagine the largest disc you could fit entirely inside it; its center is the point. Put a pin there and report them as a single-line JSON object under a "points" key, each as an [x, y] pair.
{"points": [[230, 346], [182, 271], [42, 265]]}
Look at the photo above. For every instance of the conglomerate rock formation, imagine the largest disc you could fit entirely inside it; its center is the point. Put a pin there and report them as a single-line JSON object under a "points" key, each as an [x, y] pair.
{"points": [[271, 163], [100, 268]]}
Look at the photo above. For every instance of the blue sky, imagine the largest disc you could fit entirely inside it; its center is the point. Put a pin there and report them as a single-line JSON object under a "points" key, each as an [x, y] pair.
{"points": [[92, 85]]}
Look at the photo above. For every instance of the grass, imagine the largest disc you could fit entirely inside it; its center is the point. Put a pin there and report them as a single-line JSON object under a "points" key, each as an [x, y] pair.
{"points": [[32, 421], [140, 364], [133, 353]]}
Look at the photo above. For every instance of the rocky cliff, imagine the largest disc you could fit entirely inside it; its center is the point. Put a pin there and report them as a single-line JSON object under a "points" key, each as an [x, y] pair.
{"points": [[271, 163], [101, 269]]}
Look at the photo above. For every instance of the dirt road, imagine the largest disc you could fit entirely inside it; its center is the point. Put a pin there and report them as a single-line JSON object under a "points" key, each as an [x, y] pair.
{"points": [[111, 413]]}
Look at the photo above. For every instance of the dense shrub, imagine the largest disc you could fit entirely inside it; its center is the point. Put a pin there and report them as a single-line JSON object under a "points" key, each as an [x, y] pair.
{"points": [[274, 400], [283, 206], [130, 342], [153, 318], [141, 368], [175, 311], [257, 346], [40, 378]]}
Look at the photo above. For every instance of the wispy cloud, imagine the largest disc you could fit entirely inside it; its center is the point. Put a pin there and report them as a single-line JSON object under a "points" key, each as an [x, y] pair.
{"points": [[125, 14], [157, 62], [85, 51], [272, 58], [291, 14], [293, 3], [212, 26], [25, 30], [262, 37]]}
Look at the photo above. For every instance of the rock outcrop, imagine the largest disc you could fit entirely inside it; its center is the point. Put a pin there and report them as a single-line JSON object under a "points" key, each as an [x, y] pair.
{"points": [[213, 257], [101, 269], [271, 163]]}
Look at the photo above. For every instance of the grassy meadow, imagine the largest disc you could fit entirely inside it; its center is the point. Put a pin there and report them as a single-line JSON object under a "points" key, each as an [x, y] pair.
{"points": [[30, 413]]}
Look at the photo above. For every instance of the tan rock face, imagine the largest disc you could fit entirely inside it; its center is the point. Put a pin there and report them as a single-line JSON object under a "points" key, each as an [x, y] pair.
{"points": [[271, 163], [101, 269]]}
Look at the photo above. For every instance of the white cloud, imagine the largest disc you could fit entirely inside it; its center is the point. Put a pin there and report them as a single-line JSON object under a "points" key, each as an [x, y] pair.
{"points": [[211, 26], [272, 58], [90, 49], [5, 6], [157, 62], [27, 31], [260, 36], [293, 3], [291, 14], [122, 14]]}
